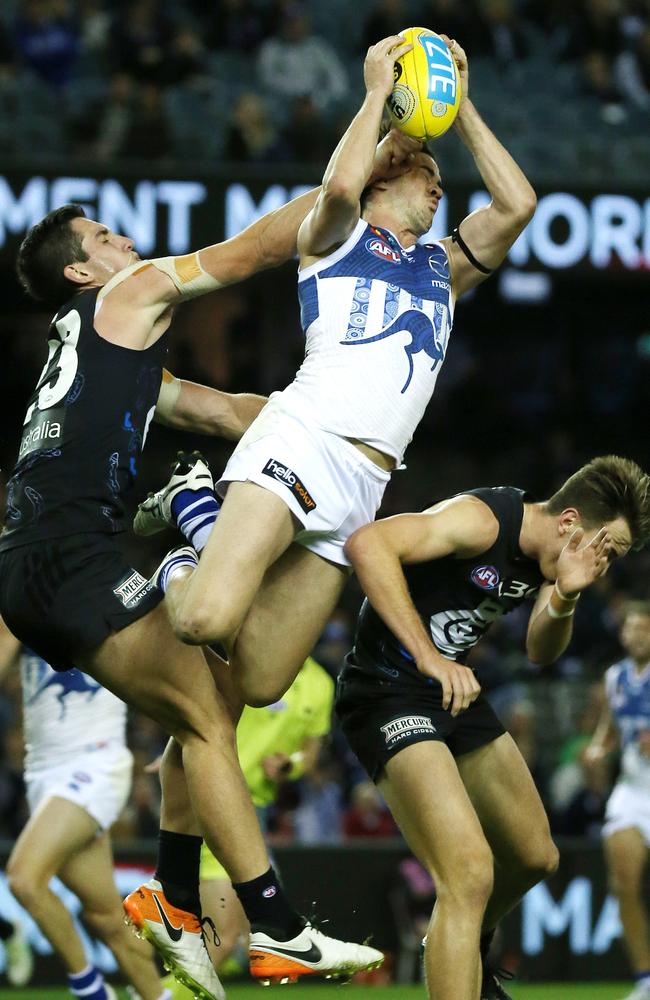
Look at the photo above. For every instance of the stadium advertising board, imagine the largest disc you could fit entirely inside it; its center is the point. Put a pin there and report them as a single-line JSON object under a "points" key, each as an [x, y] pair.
{"points": [[593, 231], [566, 929]]}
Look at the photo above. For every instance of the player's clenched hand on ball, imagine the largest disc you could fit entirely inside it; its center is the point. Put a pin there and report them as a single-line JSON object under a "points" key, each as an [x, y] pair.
{"points": [[459, 684], [460, 58], [380, 59]]}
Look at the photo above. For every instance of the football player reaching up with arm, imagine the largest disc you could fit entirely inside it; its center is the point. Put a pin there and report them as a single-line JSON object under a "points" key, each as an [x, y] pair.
{"points": [[413, 712], [377, 310]]}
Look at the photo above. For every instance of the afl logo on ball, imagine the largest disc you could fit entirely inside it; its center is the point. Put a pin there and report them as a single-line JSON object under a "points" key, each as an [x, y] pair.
{"points": [[485, 577], [381, 249]]}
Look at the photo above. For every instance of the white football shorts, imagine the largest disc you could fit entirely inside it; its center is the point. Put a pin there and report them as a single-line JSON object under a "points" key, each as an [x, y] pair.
{"points": [[628, 807], [97, 780], [330, 486]]}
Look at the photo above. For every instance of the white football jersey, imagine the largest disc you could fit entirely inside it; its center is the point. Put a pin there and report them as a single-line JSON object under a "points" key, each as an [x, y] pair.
{"points": [[377, 319], [66, 712], [628, 693]]}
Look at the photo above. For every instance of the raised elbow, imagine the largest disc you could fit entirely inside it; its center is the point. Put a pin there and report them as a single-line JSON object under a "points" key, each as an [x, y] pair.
{"points": [[357, 544], [338, 190], [525, 208]]}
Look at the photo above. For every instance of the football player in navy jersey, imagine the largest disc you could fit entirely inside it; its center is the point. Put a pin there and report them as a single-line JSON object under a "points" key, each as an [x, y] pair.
{"points": [[454, 779], [625, 723]]}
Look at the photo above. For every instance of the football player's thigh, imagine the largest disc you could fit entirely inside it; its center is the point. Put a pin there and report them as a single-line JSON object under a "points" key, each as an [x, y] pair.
{"points": [[503, 793], [53, 834], [290, 610], [429, 802]]}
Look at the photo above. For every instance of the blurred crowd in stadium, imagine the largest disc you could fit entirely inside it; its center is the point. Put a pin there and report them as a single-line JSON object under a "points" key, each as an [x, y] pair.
{"points": [[269, 81], [258, 81]]}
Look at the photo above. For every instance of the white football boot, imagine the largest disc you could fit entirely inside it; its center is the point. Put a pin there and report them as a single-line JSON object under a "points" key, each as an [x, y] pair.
{"points": [[310, 953], [177, 936], [189, 472], [19, 957]]}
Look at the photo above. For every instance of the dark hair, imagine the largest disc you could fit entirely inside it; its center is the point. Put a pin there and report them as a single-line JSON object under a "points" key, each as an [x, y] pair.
{"points": [[45, 251], [606, 488]]}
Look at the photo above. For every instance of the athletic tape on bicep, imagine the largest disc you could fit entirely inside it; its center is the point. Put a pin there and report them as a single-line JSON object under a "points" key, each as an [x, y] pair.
{"points": [[188, 275]]}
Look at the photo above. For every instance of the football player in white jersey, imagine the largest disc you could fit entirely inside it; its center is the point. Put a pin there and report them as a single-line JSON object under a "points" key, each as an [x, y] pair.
{"points": [[78, 779], [377, 310], [626, 722]]}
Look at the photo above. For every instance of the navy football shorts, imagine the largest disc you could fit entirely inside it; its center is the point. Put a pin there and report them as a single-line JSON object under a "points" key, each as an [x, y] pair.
{"points": [[380, 716], [64, 596]]}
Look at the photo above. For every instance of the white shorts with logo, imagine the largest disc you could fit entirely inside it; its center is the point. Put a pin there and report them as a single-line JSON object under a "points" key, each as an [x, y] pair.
{"points": [[330, 486], [628, 807], [96, 780]]}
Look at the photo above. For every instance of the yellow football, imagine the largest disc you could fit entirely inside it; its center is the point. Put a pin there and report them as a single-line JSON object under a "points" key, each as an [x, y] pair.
{"points": [[426, 94]]}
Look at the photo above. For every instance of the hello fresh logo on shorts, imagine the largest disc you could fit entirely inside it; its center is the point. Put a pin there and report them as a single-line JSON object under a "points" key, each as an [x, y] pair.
{"points": [[407, 724]]}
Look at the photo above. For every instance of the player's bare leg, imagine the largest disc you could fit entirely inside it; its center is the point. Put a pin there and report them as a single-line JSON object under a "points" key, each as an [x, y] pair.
{"points": [[220, 901], [147, 666], [291, 608], [210, 603], [511, 813], [627, 856], [89, 874], [422, 786], [52, 836]]}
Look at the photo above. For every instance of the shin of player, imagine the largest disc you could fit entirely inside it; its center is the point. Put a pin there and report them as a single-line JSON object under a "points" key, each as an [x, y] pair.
{"points": [[413, 712], [626, 722]]}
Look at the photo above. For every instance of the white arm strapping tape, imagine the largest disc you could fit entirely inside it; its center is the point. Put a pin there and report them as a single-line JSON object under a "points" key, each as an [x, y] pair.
{"points": [[187, 274], [170, 390]]}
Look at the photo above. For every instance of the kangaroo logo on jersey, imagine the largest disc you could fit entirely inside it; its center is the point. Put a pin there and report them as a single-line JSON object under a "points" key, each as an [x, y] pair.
{"points": [[485, 577], [424, 338], [382, 250], [68, 681]]}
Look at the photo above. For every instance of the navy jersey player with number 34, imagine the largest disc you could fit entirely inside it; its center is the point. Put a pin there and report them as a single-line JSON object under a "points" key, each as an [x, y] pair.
{"points": [[455, 781]]}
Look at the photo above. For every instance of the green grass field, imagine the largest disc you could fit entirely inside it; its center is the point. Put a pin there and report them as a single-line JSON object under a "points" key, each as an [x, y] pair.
{"points": [[523, 991]]}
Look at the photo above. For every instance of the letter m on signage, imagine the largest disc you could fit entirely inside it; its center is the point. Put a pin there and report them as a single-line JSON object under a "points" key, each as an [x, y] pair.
{"points": [[542, 915]]}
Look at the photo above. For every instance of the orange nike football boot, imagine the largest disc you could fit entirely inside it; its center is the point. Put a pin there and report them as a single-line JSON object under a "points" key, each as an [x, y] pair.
{"points": [[178, 938]]}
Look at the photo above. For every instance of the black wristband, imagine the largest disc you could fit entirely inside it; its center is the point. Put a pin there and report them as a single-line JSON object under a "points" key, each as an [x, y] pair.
{"points": [[457, 238]]}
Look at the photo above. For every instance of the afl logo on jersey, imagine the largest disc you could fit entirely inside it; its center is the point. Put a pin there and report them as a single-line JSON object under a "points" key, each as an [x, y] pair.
{"points": [[382, 250], [485, 577]]}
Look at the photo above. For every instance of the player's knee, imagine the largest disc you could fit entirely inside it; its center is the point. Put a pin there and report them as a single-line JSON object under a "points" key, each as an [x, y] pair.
{"points": [[258, 692], [470, 882], [541, 863], [203, 625], [24, 883]]}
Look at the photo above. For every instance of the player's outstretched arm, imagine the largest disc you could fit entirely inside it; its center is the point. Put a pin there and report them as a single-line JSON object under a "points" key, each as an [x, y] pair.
{"points": [[188, 406], [551, 623], [463, 526], [351, 166], [489, 232]]}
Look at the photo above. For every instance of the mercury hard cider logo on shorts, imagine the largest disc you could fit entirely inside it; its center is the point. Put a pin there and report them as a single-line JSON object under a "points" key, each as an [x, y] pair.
{"points": [[131, 589], [407, 725], [485, 577], [283, 474]]}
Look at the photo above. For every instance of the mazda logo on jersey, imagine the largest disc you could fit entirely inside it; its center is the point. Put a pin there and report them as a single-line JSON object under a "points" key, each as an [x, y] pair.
{"points": [[382, 250], [485, 577]]}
